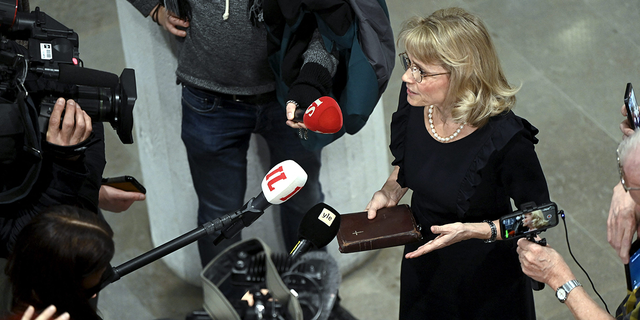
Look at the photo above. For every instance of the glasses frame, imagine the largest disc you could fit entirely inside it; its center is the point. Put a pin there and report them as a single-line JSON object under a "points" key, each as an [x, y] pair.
{"points": [[621, 171], [416, 72]]}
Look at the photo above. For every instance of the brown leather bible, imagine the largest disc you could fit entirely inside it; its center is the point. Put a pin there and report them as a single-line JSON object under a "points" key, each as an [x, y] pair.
{"points": [[394, 226]]}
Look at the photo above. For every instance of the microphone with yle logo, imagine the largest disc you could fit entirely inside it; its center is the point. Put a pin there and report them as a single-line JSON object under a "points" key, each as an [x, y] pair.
{"points": [[318, 227]]}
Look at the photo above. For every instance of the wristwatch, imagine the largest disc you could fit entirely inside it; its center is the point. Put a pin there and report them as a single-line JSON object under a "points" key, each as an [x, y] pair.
{"points": [[563, 291]]}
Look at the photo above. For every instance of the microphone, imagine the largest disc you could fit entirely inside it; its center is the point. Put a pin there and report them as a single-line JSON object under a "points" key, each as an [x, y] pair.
{"points": [[318, 227], [322, 116], [281, 183]]}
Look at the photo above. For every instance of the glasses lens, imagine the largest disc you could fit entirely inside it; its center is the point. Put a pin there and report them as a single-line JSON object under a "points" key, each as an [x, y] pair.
{"points": [[405, 61], [621, 171], [416, 74]]}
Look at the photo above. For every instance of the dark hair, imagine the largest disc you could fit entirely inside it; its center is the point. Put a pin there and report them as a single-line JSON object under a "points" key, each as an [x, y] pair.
{"points": [[53, 254]]}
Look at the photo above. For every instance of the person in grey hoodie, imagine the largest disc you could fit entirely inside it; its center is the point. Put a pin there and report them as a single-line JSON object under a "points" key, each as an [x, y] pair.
{"points": [[228, 93]]}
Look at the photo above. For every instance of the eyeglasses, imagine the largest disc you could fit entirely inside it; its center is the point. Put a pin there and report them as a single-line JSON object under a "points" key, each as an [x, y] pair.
{"points": [[621, 171], [415, 71]]}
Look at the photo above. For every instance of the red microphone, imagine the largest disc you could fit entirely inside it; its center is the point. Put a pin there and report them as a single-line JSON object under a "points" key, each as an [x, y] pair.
{"points": [[322, 116]]}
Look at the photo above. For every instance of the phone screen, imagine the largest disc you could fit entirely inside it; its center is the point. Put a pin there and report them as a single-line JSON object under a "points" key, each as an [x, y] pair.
{"points": [[632, 269], [521, 223], [633, 113]]}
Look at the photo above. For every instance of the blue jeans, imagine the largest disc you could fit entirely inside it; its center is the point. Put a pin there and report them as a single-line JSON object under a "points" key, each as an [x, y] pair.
{"points": [[216, 134]]}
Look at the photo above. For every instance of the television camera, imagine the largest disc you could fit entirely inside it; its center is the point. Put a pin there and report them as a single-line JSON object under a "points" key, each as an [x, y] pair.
{"points": [[49, 67]]}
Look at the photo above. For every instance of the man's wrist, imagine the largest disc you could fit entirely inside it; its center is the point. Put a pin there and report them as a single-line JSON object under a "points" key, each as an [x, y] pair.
{"points": [[562, 275], [562, 293]]}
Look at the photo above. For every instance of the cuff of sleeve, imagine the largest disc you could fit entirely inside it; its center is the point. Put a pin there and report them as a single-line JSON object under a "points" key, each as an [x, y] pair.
{"points": [[313, 82], [144, 6], [304, 95]]}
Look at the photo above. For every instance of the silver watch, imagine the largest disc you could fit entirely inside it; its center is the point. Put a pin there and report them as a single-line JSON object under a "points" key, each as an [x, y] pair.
{"points": [[563, 291]]}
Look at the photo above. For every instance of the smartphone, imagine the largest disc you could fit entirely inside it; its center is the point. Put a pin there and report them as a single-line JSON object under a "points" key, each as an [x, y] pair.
{"points": [[632, 269], [126, 183], [529, 220], [630, 102]]}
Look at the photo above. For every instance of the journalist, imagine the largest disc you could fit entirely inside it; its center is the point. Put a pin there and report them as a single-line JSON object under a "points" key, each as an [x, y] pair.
{"points": [[69, 173], [59, 258], [545, 264], [624, 213], [62, 175]]}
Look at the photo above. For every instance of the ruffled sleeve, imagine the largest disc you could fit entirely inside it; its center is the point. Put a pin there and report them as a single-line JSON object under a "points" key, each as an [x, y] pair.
{"points": [[399, 121], [509, 144]]}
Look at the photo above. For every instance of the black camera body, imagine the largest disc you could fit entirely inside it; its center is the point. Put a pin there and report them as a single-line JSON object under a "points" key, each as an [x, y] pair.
{"points": [[50, 67]]}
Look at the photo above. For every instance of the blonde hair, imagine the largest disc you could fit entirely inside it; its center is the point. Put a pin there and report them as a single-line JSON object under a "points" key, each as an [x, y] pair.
{"points": [[537, 219], [459, 42]]}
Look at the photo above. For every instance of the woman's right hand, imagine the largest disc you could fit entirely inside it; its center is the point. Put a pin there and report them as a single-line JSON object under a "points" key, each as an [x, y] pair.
{"points": [[380, 199], [45, 315], [388, 196]]}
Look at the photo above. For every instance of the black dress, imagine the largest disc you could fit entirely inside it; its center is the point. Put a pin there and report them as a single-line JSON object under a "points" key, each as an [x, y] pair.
{"points": [[468, 180]]}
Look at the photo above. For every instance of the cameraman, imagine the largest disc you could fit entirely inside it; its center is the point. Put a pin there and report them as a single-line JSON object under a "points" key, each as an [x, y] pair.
{"points": [[546, 265], [63, 174]]}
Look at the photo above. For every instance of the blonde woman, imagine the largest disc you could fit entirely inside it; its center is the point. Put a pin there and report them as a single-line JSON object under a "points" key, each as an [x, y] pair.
{"points": [[465, 155]]}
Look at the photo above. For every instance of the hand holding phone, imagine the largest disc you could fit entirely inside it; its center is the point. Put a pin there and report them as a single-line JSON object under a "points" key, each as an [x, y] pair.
{"points": [[119, 193], [126, 183], [631, 105]]}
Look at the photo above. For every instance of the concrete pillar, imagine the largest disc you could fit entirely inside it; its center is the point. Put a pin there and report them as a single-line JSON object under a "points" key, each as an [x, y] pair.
{"points": [[353, 167]]}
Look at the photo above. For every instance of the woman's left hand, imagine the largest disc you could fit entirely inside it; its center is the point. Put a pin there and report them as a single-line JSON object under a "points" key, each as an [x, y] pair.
{"points": [[448, 234]]}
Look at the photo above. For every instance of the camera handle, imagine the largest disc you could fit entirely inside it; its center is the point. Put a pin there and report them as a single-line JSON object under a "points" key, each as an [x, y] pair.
{"points": [[536, 285]]}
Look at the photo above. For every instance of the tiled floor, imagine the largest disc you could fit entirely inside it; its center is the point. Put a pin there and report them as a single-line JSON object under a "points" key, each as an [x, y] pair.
{"points": [[573, 59]]}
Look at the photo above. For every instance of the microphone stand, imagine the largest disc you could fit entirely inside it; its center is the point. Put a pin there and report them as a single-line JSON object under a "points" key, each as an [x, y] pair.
{"points": [[230, 224], [251, 212]]}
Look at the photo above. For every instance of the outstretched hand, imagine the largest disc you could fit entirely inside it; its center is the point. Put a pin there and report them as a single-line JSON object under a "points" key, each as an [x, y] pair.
{"points": [[448, 234]]}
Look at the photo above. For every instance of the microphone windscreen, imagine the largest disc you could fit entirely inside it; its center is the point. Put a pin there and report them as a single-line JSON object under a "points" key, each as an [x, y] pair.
{"points": [[323, 116], [283, 181], [320, 225], [71, 74]]}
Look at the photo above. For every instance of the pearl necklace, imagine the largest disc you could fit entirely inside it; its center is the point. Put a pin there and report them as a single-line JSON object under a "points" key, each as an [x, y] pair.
{"points": [[433, 128]]}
